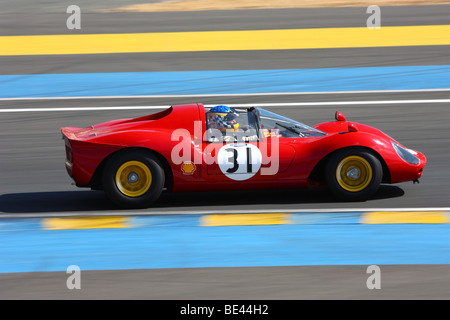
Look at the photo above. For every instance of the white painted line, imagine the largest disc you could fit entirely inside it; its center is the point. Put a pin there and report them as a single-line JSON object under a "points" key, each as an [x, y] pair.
{"points": [[83, 109], [224, 94], [342, 103], [210, 212], [288, 104]]}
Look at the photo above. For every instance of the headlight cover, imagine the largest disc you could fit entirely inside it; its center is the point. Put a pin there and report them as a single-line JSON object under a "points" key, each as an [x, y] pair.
{"points": [[405, 154]]}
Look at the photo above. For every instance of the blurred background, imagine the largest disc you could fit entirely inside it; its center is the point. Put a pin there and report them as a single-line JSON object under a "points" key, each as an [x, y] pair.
{"points": [[213, 52]]}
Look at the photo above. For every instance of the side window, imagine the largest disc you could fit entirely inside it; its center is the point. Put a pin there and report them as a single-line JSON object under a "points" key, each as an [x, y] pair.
{"points": [[273, 128], [274, 125], [243, 128]]}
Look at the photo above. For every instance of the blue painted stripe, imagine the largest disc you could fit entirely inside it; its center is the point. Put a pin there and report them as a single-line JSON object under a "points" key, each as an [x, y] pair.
{"points": [[179, 242], [326, 218], [225, 81]]}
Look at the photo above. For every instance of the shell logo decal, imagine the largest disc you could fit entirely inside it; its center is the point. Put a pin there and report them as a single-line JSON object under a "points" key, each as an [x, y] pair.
{"points": [[188, 167]]}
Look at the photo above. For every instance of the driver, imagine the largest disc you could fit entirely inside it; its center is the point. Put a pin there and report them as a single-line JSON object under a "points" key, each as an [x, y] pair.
{"points": [[223, 118]]}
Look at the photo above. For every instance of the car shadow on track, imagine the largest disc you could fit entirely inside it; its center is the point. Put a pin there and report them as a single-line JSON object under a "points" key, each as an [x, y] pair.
{"points": [[63, 201], [85, 201]]}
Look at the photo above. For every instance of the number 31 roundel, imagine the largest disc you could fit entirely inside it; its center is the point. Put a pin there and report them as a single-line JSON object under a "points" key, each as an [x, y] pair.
{"points": [[239, 161]]}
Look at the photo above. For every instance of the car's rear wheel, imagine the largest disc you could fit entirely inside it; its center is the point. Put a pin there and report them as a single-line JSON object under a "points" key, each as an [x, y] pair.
{"points": [[133, 179], [353, 174]]}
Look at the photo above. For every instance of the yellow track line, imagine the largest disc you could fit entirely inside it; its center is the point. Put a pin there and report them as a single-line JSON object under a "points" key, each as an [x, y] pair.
{"points": [[217, 220], [225, 40], [249, 219], [66, 223], [386, 217]]}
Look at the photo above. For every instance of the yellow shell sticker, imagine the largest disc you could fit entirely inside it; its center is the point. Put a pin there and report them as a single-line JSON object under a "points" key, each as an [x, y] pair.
{"points": [[188, 167]]}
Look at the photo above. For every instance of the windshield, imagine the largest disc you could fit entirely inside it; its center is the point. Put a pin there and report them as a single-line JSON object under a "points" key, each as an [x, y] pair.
{"points": [[274, 124]]}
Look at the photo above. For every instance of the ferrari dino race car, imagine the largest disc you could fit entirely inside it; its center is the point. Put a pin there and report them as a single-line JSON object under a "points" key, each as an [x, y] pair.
{"points": [[194, 148]]}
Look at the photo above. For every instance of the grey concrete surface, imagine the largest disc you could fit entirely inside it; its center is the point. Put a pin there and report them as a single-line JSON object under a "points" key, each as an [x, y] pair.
{"points": [[398, 282], [228, 60], [51, 19]]}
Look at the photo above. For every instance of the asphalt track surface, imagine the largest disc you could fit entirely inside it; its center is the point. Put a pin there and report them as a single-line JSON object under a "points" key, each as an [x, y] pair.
{"points": [[35, 182], [34, 162]]}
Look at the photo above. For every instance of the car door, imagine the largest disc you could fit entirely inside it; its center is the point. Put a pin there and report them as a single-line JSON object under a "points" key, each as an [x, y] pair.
{"points": [[245, 154]]}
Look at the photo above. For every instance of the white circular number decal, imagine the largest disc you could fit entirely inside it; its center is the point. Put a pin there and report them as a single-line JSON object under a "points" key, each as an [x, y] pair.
{"points": [[239, 161]]}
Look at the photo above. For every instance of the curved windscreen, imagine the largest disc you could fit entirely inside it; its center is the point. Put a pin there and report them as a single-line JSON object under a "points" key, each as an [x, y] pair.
{"points": [[274, 124]]}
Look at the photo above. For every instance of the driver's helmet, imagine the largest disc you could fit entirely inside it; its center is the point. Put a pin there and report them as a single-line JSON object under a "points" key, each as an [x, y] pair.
{"points": [[223, 118]]}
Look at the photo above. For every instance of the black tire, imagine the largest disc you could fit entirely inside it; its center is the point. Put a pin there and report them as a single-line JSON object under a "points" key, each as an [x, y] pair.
{"points": [[353, 174], [133, 179]]}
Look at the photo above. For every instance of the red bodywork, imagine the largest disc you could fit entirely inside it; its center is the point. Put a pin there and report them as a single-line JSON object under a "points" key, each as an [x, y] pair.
{"points": [[301, 160]]}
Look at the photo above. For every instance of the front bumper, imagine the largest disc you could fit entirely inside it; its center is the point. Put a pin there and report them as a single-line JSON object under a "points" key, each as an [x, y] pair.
{"points": [[402, 171]]}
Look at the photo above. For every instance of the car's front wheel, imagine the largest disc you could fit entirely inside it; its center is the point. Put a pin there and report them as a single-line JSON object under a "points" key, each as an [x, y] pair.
{"points": [[353, 174], [133, 179]]}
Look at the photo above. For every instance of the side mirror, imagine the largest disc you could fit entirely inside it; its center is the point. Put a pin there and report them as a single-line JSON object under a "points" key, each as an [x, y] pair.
{"points": [[352, 127], [339, 116]]}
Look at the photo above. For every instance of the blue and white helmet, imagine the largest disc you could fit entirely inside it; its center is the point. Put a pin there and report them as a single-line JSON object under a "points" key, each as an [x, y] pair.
{"points": [[223, 118]]}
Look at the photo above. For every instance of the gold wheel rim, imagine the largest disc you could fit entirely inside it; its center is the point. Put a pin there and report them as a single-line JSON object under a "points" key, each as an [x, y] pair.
{"points": [[354, 173], [133, 178]]}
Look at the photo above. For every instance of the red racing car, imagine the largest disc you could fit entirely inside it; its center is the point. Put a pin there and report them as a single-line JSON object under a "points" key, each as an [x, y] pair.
{"points": [[194, 148]]}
